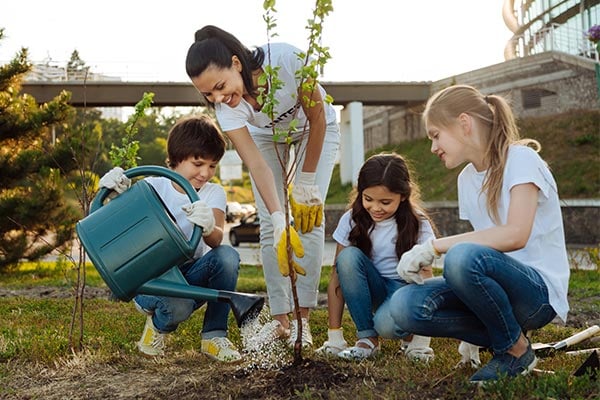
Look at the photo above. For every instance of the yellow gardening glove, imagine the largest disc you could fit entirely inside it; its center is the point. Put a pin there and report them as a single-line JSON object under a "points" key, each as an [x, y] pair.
{"points": [[280, 245], [306, 202]]}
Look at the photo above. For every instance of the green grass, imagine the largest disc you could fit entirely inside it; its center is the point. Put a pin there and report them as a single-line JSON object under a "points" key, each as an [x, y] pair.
{"points": [[34, 338]]}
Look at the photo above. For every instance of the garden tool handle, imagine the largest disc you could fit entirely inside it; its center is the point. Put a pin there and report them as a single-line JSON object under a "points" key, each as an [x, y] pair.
{"points": [[156, 170], [578, 337]]}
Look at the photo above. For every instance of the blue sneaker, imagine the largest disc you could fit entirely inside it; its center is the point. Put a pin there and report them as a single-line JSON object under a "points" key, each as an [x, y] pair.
{"points": [[505, 365]]}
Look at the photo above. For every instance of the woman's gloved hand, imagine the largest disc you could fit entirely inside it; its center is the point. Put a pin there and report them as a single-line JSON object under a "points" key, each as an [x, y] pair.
{"points": [[306, 202], [280, 245]]}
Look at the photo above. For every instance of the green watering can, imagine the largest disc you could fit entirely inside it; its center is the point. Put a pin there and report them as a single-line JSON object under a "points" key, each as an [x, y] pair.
{"points": [[136, 246]]}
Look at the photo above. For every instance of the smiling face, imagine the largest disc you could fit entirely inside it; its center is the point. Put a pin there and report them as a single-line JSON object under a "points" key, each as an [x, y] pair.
{"points": [[197, 170], [221, 85], [380, 202], [447, 144]]}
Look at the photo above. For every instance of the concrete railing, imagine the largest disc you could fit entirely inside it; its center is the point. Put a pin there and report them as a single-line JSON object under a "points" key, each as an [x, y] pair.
{"points": [[581, 219]]}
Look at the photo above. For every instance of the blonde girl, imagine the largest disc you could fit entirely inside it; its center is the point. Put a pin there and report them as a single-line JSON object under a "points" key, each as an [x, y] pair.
{"points": [[510, 274]]}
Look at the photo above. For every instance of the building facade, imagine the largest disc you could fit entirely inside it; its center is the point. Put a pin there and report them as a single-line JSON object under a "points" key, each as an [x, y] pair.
{"points": [[550, 68], [550, 25]]}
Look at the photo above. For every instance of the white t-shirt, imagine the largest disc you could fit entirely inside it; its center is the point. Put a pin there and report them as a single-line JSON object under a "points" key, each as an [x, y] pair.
{"points": [[282, 55], [545, 250], [212, 194], [383, 236]]}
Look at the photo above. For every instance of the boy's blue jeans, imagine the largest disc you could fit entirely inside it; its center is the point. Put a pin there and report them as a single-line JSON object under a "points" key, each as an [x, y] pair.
{"points": [[218, 269], [485, 297], [367, 294]]}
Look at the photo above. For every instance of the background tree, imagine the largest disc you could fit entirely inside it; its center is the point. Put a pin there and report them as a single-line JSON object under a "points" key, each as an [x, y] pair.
{"points": [[34, 217], [76, 68]]}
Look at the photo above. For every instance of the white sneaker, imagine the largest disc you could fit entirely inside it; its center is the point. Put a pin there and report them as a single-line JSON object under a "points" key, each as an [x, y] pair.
{"points": [[332, 349], [270, 331], [307, 340], [152, 342], [418, 349], [469, 354], [360, 353], [220, 349]]}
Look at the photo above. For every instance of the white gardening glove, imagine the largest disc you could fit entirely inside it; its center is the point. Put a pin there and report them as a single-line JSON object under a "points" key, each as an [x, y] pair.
{"points": [[469, 355], [306, 202], [116, 180], [421, 255], [199, 213], [280, 245]]}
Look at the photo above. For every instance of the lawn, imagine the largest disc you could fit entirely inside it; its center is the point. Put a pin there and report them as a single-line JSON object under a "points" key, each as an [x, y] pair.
{"points": [[36, 363]]}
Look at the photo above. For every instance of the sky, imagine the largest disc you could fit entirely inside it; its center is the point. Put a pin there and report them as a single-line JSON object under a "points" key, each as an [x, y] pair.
{"points": [[369, 40]]}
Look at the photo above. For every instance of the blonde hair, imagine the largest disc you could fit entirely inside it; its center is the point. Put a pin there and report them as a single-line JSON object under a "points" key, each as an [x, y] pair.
{"points": [[494, 115]]}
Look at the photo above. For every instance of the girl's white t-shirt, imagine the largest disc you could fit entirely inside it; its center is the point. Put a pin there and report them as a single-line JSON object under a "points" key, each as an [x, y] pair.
{"points": [[545, 250], [282, 55], [383, 236], [212, 194]]}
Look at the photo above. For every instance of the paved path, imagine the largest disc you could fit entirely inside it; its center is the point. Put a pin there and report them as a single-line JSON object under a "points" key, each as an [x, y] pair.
{"points": [[250, 254]]}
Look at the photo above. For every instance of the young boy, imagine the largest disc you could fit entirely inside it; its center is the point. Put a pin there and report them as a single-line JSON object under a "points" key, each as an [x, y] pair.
{"points": [[194, 148]]}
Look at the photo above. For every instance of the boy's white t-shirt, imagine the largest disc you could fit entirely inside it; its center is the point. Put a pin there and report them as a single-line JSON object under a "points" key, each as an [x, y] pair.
{"points": [[383, 236], [282, 55], [545, 250], [211, 193]]}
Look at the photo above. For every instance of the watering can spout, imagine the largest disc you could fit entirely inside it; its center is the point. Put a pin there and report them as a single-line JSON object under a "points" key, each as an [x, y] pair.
{"points": [[173, 284], [245, 307]]}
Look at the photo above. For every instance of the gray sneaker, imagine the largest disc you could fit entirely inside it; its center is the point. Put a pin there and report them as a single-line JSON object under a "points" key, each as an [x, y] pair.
{"points": [[505, 365]]}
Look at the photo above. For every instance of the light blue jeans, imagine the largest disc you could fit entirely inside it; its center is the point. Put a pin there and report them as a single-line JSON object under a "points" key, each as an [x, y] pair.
{"points": [[485, 297], [279, 288], [218, 269], [367, 294]]}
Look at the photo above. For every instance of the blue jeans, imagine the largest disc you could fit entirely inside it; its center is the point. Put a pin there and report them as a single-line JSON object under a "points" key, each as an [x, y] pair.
{"points": [[218, 269], [485, 297], [367, 294]]}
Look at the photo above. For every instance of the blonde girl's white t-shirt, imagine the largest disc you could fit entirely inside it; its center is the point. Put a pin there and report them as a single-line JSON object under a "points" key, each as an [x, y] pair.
{"points": [[545, 250], [212, 194], [282, 55], [383, 236]]}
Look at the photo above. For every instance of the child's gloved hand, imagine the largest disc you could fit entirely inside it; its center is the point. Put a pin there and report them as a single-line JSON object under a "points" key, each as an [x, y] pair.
{"points": [[199, 213], [421, 255], [469, 355], [280, 245], [306, 202], [116, 180]]}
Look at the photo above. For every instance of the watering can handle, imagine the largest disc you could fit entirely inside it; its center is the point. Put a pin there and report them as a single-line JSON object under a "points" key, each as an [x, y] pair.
{"points": [[156, 170]]}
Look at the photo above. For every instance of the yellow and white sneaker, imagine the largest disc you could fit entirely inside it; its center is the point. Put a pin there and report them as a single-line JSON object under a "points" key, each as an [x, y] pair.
{"points": [[220, 349], [152, 342]]}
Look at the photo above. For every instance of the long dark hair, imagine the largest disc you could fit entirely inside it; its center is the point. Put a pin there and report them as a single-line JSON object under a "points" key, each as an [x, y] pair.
{"points": [[215, 47], [391, 171]]}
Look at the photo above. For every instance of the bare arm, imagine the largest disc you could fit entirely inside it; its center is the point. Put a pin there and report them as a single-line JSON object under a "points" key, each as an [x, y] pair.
{"points": [[216, 236], [508, 237], [316, 135], [261, 173]]}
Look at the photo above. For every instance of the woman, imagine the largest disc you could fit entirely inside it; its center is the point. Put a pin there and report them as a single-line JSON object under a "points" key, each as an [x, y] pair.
{"points": [[227, 74]]}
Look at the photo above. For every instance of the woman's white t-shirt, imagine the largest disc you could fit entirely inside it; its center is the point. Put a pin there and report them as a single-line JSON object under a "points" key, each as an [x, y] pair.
{"points": [[212, 194], [282, 55], [383, 236], [545, 250]]}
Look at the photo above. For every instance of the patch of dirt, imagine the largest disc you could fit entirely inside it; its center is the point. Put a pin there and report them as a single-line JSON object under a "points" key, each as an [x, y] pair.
{"points": [[190, 375], [184, 376]]}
